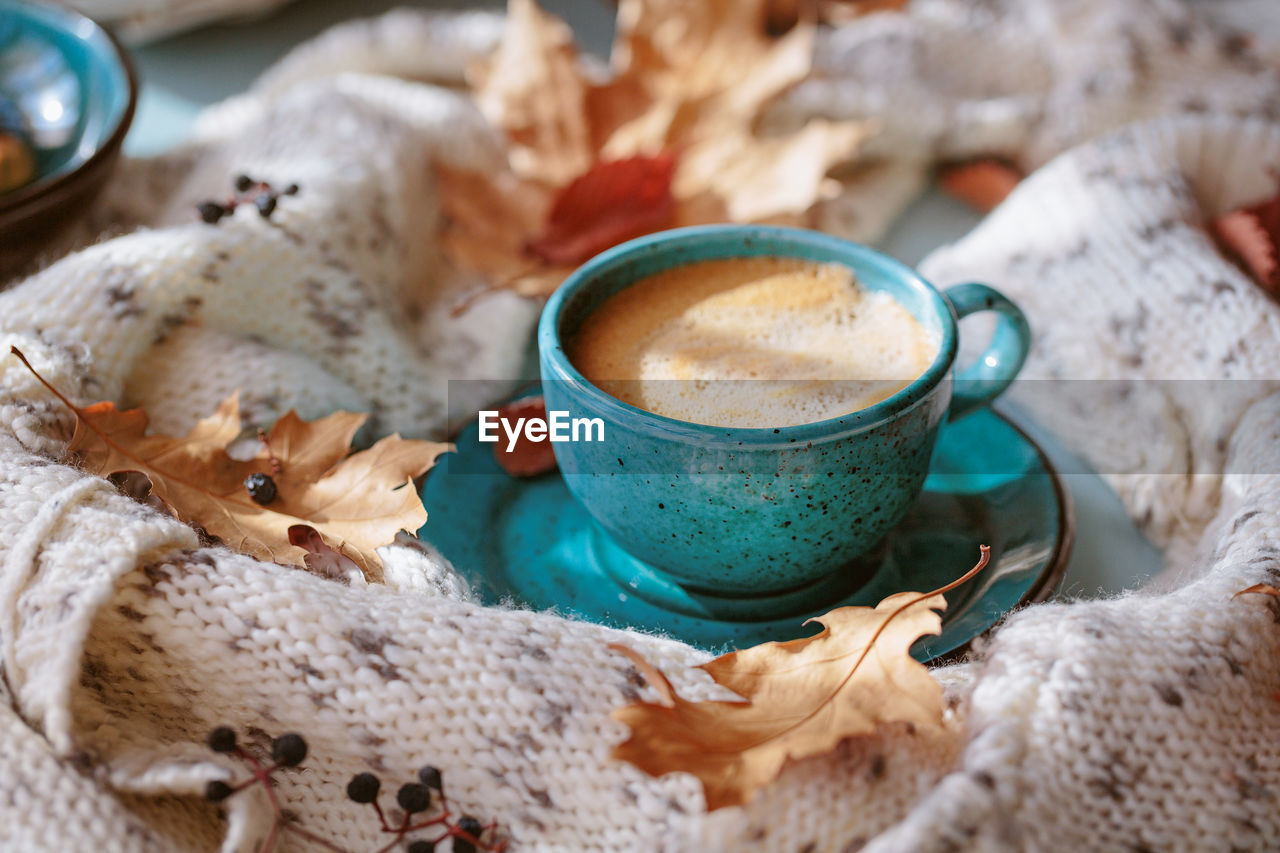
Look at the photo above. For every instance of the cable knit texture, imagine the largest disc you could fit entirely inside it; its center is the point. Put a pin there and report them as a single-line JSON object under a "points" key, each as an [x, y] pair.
{"points": [[1147, 722]]}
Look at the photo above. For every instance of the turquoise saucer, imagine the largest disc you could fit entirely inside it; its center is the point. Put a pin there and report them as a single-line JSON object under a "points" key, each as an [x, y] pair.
{"points": [[527, 542]]}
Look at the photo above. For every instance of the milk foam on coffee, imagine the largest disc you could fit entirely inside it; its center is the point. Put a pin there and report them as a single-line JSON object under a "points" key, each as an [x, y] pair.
{"points": [[692, 343]]}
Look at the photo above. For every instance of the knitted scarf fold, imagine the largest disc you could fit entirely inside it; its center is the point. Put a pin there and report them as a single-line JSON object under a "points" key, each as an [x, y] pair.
{"points": [[1145, 722]]}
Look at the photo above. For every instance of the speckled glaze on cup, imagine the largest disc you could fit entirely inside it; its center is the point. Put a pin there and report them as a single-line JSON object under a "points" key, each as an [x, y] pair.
{"points": [[759, 512]]}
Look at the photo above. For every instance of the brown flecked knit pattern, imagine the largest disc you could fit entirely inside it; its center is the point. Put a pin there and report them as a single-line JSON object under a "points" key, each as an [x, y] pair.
{"points": [[1147, 722]]}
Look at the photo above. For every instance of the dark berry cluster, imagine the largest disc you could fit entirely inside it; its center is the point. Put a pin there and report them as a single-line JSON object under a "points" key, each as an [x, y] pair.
{"points": [[415, 800], [247, 191]]}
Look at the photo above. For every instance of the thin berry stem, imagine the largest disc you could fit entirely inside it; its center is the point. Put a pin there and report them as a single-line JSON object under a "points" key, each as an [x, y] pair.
{"points": [[400, 834], [466, 836], [467, 831], [445, 814], [382, 818], [262, 775], [435, 821]]}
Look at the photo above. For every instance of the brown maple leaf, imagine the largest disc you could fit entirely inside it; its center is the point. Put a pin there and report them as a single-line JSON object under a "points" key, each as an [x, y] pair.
{"points": [[1250, 237], [982, 184], [800, 698], [691, 78], [356, 503]]}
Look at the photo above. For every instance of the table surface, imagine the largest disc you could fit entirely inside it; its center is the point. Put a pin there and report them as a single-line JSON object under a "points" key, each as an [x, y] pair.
{"points": [[182, 74]]}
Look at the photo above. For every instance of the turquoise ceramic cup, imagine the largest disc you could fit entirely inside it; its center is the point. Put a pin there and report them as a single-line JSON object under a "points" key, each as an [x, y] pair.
{"points": [[761, 512]]}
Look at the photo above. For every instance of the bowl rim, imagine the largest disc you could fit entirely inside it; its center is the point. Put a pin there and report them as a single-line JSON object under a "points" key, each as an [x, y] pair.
{"points": [[20, 196]]}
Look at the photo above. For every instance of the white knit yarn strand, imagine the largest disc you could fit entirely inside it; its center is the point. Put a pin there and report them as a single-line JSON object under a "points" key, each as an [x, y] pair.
{"points": [[20, 563], [1147, 722]]}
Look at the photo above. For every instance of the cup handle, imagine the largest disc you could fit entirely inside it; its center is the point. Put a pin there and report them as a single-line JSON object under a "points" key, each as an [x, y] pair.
{"points": [[986, 378]]}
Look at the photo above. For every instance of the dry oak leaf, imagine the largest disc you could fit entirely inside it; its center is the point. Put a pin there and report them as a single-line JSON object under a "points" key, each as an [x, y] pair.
{"points": [[800, 698], [356, 502], [688, 82], [1250, 236], [982, 184]]}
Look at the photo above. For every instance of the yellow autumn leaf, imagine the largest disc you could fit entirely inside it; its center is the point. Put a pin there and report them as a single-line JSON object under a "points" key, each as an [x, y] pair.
{"points": [[356, 502], [799, 698]]}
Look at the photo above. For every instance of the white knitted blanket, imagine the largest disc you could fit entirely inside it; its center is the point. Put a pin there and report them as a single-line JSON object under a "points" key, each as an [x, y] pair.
{"points": [[1149, 722]]}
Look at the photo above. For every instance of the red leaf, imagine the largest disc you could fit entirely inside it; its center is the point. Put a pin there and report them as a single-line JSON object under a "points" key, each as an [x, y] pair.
{"points": [[1249, 236], [527, 458], [612, 202], [982, 184]]}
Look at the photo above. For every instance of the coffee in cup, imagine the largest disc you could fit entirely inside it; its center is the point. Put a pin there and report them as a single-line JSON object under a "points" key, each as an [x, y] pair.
{"points": [[752, 342]]}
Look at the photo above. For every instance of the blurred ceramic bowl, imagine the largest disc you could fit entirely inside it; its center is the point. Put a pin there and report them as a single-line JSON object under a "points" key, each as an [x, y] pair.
{"points": [[71, 87]]}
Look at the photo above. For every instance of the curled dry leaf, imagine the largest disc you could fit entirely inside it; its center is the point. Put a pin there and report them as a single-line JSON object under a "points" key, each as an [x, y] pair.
{"points": [[982, 184], [1250, 237], [688, 83], [800, 698], [527, 458], [321, 559], [356, 503]]}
